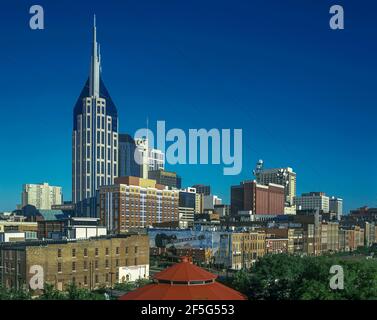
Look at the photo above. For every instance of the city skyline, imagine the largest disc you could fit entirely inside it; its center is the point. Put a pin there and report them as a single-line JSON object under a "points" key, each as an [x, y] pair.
{"points": [[52, 162]]}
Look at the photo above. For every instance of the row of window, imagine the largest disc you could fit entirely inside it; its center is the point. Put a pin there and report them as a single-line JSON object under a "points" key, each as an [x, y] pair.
{"points": [[96, 251], [96, 265], [96, 278]]}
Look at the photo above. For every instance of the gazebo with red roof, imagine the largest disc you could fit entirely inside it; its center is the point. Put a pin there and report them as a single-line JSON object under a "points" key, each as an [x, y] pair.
{"points": [[184, 281]]}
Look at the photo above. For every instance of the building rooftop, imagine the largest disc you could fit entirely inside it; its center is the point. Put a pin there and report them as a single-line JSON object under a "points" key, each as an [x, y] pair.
{"points": [[184, 281]]}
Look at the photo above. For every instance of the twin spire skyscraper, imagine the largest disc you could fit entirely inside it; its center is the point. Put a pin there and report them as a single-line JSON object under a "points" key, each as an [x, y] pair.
{"points": [[95, 134]]}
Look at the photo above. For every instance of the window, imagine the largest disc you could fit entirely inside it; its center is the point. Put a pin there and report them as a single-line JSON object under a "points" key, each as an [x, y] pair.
{"points": [[107, 277], [85, 265], [135, 249], [117, 262], [135, 261], [85, 252], [96, 264], [73, 253], [107, 263], [96, 278], [117, 250], [59, 267], [85, 280], [107, 251], [96, 252], [59, 253], [73, 266]]}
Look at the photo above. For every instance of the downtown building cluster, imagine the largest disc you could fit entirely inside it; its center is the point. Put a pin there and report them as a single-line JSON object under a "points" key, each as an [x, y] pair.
{"points": [[127, 209]]}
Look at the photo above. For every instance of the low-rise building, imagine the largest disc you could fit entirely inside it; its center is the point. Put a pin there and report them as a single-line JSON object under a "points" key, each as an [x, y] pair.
{"points": [[240, 250], [350, 238], [276, 245], [329, 236], [90, 264]]}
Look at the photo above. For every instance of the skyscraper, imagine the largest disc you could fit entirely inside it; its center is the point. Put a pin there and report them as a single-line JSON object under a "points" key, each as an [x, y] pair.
{"points": [[336, 205], [95, 134], [283, 176], [128, 164]]}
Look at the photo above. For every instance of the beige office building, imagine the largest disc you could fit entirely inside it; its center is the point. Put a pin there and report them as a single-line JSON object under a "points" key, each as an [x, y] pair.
{"points": [[42, 196]]}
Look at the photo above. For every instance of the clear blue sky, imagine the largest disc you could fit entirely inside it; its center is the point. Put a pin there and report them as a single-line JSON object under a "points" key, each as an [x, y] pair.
{"points": [[304, 95]]}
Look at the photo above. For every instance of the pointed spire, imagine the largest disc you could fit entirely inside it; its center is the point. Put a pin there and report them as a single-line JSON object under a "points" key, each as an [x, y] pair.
{"points": [[95, 64]]}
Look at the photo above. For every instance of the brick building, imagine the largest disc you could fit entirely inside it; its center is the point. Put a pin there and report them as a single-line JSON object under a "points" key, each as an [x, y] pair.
{"points": [[134, 202], [90, 264], [239, 250], [257, 198]]}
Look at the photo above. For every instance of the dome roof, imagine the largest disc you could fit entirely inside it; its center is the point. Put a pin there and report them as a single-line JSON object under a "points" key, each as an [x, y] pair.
{"points": [[184, 281], [184, 271], [157, 291]]}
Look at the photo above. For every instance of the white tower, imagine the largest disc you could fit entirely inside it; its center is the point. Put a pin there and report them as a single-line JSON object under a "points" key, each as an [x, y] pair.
{"points": [[95, 134]]}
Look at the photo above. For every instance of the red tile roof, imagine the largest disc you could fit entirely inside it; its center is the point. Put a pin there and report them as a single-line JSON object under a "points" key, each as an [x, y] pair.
{"points": [[185, 271], [176, 283], [158, 291]]}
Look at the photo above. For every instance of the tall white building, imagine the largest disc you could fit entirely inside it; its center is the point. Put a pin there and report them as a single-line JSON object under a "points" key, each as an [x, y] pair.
{"points": [[313, 200], [149, 159], [156, 159], [95, 134], [141, 156], [42, 196]]}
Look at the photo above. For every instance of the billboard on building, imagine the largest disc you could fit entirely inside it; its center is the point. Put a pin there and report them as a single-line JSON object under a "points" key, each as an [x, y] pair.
{"points": [[184, 238]]}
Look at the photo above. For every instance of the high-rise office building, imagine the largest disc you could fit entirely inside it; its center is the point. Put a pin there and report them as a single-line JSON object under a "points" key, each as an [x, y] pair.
{"points": [[136, 159], [187, 205], [282, 176], [202, 189], [156, 160], [336, 205], [257, 198], [166, 178], [95, 134], [133, 202], [142, 156], [313, 201], [210, 201], [129, 164], [42, 196]]}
